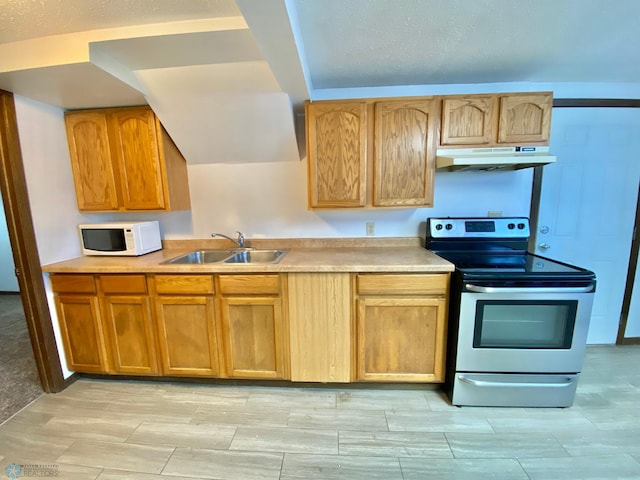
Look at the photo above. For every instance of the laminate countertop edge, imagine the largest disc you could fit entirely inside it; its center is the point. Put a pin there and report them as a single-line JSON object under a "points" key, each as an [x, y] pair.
{"points": [[396, 259]]}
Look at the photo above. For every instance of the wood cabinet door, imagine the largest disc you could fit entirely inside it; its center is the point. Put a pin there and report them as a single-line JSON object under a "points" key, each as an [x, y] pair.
{"points": [[404, 153], [135, 150], [91, 161], [253, 337], [469, 120], [130, 332], [336, 152], [187, 335], [82, 335], [525, 118], [401, 339]]}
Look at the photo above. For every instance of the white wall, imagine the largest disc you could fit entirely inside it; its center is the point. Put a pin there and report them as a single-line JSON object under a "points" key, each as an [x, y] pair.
{"points": [[8, 280], [269, 200], [50, 186]]}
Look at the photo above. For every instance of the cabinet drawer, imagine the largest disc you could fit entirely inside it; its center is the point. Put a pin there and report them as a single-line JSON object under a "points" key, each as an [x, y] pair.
{"points": [[73, 284], [123, 283], [249, 284], [189, 284], [426, 284]]}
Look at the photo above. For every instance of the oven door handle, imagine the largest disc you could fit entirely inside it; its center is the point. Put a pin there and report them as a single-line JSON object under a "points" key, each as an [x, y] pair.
{"points": [[483, 383], [481, 289]]}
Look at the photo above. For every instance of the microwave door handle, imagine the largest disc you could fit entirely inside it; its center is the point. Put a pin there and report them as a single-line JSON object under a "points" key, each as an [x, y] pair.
{"points": [[484, 383], [481, 289]]}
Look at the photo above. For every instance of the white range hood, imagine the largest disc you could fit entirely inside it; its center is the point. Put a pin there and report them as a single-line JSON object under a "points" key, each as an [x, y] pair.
{"points": [[492, 158]]}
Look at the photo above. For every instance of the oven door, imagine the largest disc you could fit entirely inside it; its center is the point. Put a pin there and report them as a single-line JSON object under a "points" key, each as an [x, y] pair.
{"points": [[523, 329]]}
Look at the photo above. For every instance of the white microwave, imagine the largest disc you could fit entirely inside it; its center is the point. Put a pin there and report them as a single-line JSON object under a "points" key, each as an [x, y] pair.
{"points": [[128, 239]]}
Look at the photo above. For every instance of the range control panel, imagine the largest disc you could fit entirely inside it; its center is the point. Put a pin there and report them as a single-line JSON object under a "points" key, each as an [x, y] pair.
{"points": [[499, 227]]}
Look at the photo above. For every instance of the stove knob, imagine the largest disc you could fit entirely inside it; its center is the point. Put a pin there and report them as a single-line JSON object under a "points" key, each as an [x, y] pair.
{"points": [[448, 226], [439, 226], [511, 226], [521, 226]]}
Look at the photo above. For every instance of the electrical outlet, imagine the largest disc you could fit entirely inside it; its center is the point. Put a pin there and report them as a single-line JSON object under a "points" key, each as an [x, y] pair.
{"points": [[371, 228]]}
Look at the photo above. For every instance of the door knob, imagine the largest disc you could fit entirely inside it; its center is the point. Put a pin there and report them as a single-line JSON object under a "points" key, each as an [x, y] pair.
{"points": [[544, 247]]}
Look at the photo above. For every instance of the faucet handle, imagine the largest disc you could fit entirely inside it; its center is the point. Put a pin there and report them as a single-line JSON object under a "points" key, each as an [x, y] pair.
{"points": [[240, 239]]}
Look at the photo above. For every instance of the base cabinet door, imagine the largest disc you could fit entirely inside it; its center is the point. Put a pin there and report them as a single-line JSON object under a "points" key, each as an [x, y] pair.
{"points": [[187, 330], [253, 337], [401, 339], [80, 319], [127, 318], [129, 327], [187, 336], [82, 334]]}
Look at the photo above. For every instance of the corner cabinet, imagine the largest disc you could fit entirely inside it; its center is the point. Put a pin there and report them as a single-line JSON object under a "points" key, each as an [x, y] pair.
{"points": [[371, 152], [401, 327], [123, 160], [493, 120]]}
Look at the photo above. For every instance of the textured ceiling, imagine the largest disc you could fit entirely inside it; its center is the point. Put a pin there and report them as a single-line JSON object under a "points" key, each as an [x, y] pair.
{"points": [[27, 19], [357, 43]]}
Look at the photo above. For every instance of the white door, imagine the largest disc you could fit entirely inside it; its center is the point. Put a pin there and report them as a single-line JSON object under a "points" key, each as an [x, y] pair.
{"points": [[588, 202]]}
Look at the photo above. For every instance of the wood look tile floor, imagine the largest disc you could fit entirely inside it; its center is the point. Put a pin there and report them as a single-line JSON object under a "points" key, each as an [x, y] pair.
{"points": [[127, 430]]}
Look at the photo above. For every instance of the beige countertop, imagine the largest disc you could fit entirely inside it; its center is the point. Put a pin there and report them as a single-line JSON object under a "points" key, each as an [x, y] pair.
{"points": [[403, 255]]}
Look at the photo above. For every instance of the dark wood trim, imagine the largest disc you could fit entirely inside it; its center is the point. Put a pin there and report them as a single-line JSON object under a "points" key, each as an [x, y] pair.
{"points": [[629, 341], [631, 277], [25, 250], [596, 102]]}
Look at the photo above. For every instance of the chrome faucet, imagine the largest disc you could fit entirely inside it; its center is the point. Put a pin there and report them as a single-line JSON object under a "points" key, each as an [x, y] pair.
{"points": [[239, 242]]}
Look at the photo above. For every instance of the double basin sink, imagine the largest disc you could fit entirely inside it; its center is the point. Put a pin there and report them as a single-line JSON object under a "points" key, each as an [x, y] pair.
{"points": [[237, 255]]}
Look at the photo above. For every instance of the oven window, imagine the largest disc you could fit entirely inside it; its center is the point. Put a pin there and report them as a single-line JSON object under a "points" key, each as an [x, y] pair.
{"points": [[524, 324]]}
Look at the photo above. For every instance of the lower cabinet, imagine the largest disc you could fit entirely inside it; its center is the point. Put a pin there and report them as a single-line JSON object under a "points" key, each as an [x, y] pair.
{"points": [[106, 323], [76, 299], [401, 327], [128, 324], [253, 326], [186, 324], [306, 327]]}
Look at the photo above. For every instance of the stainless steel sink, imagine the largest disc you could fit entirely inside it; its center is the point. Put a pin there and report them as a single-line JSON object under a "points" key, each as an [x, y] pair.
{"points": [[200, 257], [257, 256]]}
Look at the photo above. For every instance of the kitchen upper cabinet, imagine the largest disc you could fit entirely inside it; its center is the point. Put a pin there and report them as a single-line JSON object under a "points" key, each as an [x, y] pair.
{"points": [[336, 152], [403, 164], [493, 120], [253, 325], [525, 118], [186, 324], [391, 138], [78, 309], [123, 160], [128, 324], [468, 120], [401, 327]]}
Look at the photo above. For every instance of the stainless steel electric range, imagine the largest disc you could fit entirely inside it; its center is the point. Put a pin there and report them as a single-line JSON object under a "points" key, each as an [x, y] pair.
{"points": [[518, 322]]}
